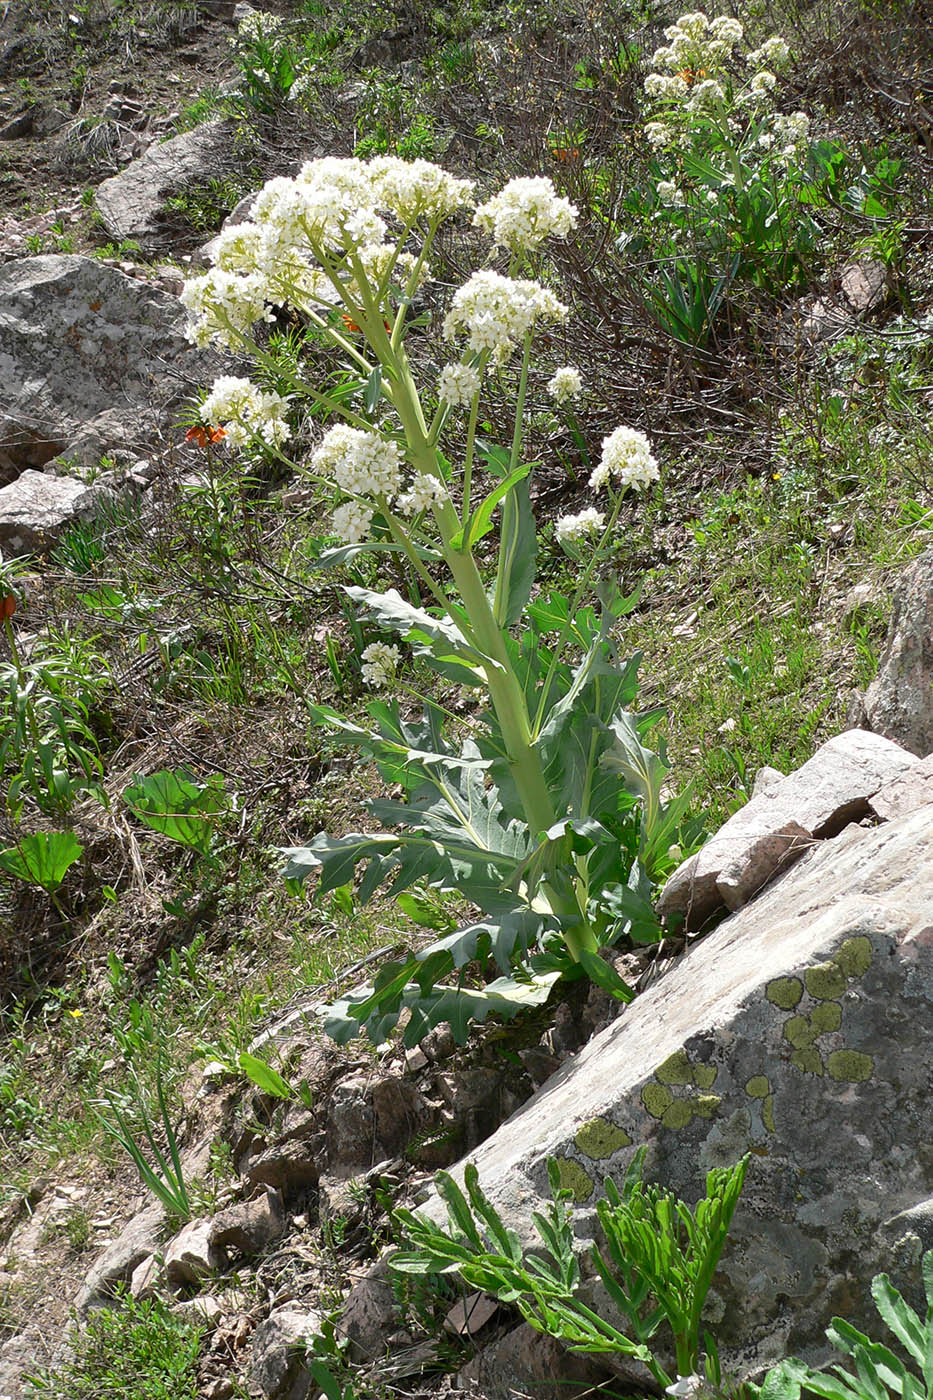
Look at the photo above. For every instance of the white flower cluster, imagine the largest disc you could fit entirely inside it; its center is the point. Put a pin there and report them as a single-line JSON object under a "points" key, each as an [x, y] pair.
{"points": [[626, 457], [696, 47], [258, 27], [359, 462], [458, 384], [380, 663], [524, 213], [670, 193], [790, 133], [773, 53], [334, 207], [565, 384], [423, 492], [351, 522], [497, 311], [245, 412], [576, 529]]}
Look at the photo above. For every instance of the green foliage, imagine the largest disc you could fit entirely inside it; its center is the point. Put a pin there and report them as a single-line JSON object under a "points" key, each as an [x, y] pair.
{"points": [[163, 1175], [138, 1349], [176, 804], [874, 1371], [659, 1264], [42, 859]]}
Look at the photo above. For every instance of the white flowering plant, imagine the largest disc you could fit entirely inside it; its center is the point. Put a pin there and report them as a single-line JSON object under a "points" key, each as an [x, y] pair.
{"points": [[733, 190], [545, 812]]}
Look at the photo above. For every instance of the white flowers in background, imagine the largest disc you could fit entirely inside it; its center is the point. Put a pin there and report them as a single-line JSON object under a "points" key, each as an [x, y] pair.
{"points": [[524, 213], [256, 26], [351, 521], [762, 84], [670, 193], [497, 311], [791, 132], [457, 384], [773, 53], [575, 529], [627, 458], [245, 412], [565, 383], [380, 663], [423, 491], [359, 462]]}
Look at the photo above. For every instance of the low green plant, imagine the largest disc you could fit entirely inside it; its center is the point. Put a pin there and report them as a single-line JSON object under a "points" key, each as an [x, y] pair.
{"points": [[874, 1371], [138, 1349], [657, 1268], [174, 803], [163, 1175], [42, 859]]}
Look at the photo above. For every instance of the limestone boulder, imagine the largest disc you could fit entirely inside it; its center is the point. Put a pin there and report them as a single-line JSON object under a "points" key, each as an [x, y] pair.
{"points": [[899, 701], [37, 506], [279, 1347], [132, 204], [137, 1241], [85, 348], [780, 823], [798, 1032]]}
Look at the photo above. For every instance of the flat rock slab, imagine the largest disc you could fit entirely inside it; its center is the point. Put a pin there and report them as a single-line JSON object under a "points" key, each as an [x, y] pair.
{"points": [[132, 204], [899, 701], [81, 345], [36, 507], [798, 1032], [914, 789], [781, 821]]}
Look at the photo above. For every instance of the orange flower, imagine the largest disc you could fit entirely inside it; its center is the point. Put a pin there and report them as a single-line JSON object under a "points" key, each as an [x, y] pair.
{"points": [[349, 322], [203, 436], [7, 606], [565, 153], [690, 75]]}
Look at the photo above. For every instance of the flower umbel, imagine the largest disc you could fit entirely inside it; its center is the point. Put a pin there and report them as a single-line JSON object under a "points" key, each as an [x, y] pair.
{"points": [[565, 383], [380, 662], [627, 459]]}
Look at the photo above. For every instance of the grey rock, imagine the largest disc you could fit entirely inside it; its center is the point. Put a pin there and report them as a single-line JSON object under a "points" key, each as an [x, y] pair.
{"points": [[864, 284], [286, 1167], [192, 1255], [912, 790], [775, 827], [767, 780], [369, 1315], [36, 507], [83, 344], [146, 1277], [249, 1226], [279, 1346], [135, 1242], [899, 701], [525, 1363], [798, 1031], [469, 1315], [132, 203], [370, 1118]]}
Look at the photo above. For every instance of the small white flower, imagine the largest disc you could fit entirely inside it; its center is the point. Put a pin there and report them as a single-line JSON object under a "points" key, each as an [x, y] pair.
{"points": [[457, 384], [574, 529], [360, 463], [351, 521], [671, 194], [423, 491], [496, 311], [762, 84], [565, 383], [524, 213], [627, 457], [726, 29], [380, 662], [773, 53], [416, 189], [245, 412]]}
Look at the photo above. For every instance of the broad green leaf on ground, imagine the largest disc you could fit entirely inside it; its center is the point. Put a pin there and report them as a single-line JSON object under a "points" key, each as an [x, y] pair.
{"points": [[42, 859], [173, 803]]}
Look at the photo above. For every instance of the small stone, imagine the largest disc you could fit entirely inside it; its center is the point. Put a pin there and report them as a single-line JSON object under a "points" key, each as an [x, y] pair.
{"points": [[191, 1255], [369, 1315], [470, 1315], [250, 1226], [280, 1344]]}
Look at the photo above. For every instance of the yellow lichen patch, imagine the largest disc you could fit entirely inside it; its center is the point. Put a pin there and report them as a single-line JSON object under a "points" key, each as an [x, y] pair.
{"points": [[799, 1032], [675, 1069], [807, 1060], [825, 981], [574, 1179], [854, 956], [784, 992], [678, 1114], [599, 1138], [851, 1066], [758, 1087], [704, 1076], [705, 1105], [657, 1099], [767, 1112], [826, 1017]]}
